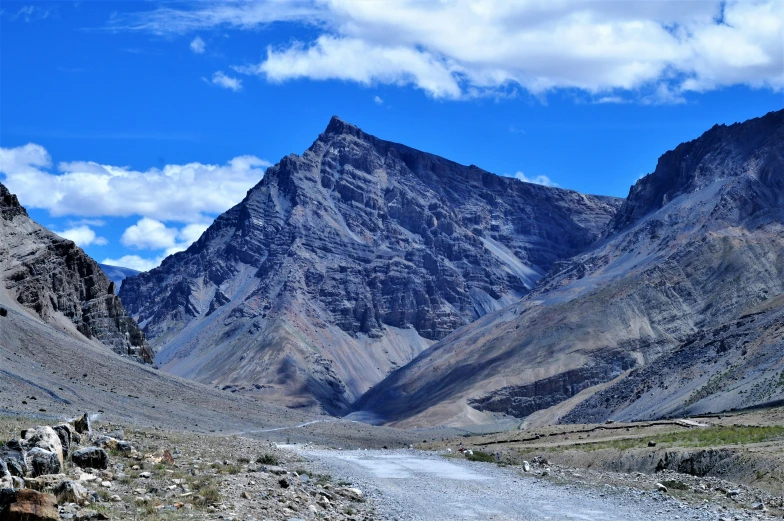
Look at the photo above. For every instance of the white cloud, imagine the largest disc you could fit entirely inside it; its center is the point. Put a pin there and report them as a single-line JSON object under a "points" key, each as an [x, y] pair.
{"points": [[198, 45], [83, 236], [378, 101], [134, 262], [464, 48], [188, 193], [149, 234], [537, 180], [227, 82]]}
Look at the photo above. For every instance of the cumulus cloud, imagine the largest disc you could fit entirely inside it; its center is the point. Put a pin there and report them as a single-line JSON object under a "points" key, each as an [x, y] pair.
{"points": [[188, 193], [134, 262], [227, 82], [537, 180], [149, 234], [462, 48], [198, 45], [83, 236]]}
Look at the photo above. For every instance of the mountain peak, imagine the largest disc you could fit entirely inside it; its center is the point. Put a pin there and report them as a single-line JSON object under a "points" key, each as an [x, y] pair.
{"points": [[338, 126], [9, 204]]}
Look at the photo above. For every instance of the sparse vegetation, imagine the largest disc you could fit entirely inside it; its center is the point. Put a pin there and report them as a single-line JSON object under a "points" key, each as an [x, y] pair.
{"points": [[478, 455], [267, 459], [707, 437]]}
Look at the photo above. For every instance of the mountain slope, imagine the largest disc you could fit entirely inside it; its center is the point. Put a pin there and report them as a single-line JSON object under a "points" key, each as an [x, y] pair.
{"points": [[54, 278], [697, 247], [346, 262]]}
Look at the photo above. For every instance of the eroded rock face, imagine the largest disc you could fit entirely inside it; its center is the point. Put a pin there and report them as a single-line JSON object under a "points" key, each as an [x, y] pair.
{"points": [[344, 263], [52, 276]]}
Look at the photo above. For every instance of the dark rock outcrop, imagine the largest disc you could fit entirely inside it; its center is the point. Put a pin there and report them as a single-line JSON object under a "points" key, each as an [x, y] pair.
{"points": [[54, 277], [344, 263]]}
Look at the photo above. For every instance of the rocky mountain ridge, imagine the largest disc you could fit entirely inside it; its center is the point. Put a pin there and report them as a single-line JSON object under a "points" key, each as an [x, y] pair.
{"points": [[639, 326], [346, 262], [61, 284]]}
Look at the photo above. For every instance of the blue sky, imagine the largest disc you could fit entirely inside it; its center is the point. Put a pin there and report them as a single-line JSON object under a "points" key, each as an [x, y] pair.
{"points": [[129, 126]]}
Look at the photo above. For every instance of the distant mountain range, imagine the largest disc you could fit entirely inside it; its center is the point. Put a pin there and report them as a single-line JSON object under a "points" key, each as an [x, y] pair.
{"points": [[365, 276], [117, 274]]}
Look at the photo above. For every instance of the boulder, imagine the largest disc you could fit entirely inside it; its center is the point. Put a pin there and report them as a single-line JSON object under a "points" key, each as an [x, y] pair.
{"points": [[13, 454], [45, 438], [72, 492], [83, 425], [27, 505], [91, 457], [41, 461], [47, 482], [68, 436]]}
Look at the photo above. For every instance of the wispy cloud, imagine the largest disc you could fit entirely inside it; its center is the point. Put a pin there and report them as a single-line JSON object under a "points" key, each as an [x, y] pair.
{"points": [[657, 51], [227, 82], [378, 101], [198, 45]]}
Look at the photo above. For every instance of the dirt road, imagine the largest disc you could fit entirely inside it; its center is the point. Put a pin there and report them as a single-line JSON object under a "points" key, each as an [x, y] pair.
{"points": [[415, 485]]}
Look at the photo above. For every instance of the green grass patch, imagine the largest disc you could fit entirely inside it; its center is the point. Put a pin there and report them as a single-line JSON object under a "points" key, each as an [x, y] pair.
{"points": [[698, 437], [478, 455]]}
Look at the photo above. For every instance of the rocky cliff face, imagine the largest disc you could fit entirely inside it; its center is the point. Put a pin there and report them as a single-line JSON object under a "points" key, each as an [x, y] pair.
{"points": [[697, 246], [61, 284], [346, 262]]}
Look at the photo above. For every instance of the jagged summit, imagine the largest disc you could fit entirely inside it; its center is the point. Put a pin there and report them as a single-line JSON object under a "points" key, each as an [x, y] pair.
{"points": [[338, 126], [344, 263], [9, 204], [721, 152]]}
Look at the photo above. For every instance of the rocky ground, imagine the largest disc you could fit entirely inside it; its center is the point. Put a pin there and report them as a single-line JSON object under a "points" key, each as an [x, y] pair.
{"points": [[167, 475], [155, 474]]}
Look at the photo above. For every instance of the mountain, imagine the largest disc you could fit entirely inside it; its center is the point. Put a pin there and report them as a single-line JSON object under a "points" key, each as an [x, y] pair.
{"points": [[117, 274], [346, 262], [677, 310], [65, 288]]}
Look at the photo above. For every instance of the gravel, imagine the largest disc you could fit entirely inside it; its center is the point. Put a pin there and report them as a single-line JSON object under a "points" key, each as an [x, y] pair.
{"points": [[415, 485]]}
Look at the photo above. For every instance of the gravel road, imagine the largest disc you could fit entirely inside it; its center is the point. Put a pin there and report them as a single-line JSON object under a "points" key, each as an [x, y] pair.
{"points": [[413, 485]]}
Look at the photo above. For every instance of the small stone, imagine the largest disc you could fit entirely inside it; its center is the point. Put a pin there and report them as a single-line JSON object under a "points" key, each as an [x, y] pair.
{"points": [[145, 475], [651, 443], [106, 484], [526, 466], [115, 498], [245, 495], [72, 492], [660, 487], [283, 482]]}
